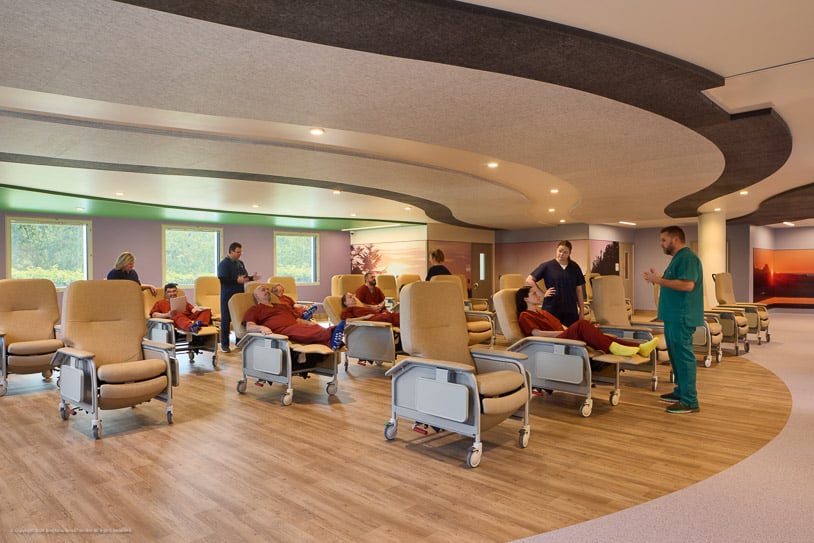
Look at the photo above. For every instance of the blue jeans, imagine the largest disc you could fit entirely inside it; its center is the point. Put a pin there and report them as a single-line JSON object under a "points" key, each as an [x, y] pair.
{"points": [[682, 359]]}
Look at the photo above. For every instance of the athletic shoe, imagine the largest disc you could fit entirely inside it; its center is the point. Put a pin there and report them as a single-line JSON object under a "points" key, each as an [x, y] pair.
{"points": [[225, 349], [679, 408], [670, 397], [336, 335], [308, 313]]}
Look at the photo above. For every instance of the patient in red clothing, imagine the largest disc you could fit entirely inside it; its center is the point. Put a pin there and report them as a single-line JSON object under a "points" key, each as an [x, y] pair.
{"points": [[353, 309], [534, 321], [267, 318]]}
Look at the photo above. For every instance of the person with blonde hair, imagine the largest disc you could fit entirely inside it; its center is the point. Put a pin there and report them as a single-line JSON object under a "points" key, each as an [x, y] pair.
{"points": [[124, 269]]}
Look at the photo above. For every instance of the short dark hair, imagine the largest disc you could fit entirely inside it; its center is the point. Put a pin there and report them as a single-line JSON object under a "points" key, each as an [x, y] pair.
{"points": [[674, 231], [234, 245], [170, 285]]}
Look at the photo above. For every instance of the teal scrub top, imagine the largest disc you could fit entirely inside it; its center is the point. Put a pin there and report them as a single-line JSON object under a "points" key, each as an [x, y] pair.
{"points": [[678, 307]]}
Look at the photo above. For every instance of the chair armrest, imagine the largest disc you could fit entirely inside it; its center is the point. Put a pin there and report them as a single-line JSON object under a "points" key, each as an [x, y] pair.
{"points": [[367, 324], [487, 360], [430, 362], [157, 346], [65, 354], [254, 336], [554, 340]]}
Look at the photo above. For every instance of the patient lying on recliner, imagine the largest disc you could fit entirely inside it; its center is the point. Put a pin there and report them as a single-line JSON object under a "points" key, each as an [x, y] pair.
{"points": [[267, 318], [352, 309], [192, 319], [534, 321]]}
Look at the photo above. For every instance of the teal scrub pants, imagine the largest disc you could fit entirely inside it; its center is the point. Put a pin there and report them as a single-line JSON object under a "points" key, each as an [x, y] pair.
{"points": [[682, 359]]}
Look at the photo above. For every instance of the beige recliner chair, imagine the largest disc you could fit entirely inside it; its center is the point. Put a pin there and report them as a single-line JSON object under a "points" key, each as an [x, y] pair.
{"points": [[164, 330], [107, 363], [29, 312], [480, 322], [757, 315], [274, 359], [561, 365], [445, 384], [365, 340], [610, 309], [207, 294], [387, 283], [406, 279], [511, 280], [349, 282]]}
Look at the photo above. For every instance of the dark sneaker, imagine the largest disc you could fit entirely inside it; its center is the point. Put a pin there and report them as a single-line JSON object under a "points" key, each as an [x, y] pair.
{"points": [[225, 349], [308, 313], [670, 397], [679, 408], [336, 335]]}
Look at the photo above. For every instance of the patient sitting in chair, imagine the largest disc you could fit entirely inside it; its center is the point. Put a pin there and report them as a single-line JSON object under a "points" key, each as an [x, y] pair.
{"points": [[352, 309], [305, 313], [534, 321], [268, 318], [192, 319]]}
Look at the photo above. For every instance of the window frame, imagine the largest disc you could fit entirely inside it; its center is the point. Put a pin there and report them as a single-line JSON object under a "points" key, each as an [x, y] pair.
{"points": [[86, 223], [315, 255], [172, 227]]}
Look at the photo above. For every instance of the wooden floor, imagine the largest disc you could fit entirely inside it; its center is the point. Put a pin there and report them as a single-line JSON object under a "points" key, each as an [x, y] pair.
{"points": [[244, 468]]}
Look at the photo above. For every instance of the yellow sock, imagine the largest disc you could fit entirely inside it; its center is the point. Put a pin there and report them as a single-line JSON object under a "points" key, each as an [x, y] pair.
{"points": [[622, 350], [647, 347]]}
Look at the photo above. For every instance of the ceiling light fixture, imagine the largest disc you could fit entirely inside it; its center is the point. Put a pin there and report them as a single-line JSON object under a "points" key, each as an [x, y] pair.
{"points": [[255, 206], [787, 223], [120, 194], [491, 164], [555, 191], [353, 214], [562, 220], [743, 192], [717, 209], [317, 131], [551, 210], [337, 192], [80, 209], [408, 208], [628, 223]]}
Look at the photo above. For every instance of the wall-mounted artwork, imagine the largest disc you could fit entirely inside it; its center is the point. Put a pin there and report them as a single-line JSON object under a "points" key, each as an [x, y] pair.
{"points": [[390, 257], [783, 274]]}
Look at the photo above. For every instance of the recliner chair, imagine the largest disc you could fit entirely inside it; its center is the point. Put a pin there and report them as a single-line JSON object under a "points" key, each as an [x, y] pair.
{"points": [[561, 365], [29, 312], [207, 294], [480, 322], [364, 339], [444, 383], [274, 359], [405, 279], [106, 362], [183, 341], [757, 315], [610, 309]]}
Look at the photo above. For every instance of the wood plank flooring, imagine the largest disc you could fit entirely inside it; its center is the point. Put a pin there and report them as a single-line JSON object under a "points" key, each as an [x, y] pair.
{"points": [[244, 468]]}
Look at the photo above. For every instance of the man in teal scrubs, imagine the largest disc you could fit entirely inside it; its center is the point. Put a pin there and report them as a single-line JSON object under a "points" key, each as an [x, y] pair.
{"points": [[681, 308]]}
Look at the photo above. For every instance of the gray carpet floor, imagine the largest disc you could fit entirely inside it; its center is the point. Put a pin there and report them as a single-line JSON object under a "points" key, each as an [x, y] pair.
{"points": [[768, 497]]}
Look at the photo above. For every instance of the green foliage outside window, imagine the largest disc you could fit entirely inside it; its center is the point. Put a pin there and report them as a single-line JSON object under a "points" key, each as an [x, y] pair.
{"points": [[190, 253], [50, 250], [296, 256]]}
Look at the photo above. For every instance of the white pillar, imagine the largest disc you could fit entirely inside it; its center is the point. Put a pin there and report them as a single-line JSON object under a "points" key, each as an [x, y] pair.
{"points": [[712, 250]]}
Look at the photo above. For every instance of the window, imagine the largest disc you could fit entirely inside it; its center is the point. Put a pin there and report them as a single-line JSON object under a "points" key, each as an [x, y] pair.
{"points": [[190, 252], [53, 249], [296, 256]]}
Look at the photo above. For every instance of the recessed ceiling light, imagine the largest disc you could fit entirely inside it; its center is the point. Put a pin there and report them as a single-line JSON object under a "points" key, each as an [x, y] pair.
{"points": [[337, 192], [717, 209], [317, 131], [743, 192], [555, 191], [255, 206], [562, 220], [353, 214], [491, 164], [119, 193], [628, 223], [551, 210], [407, 208], [787, 223]]}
